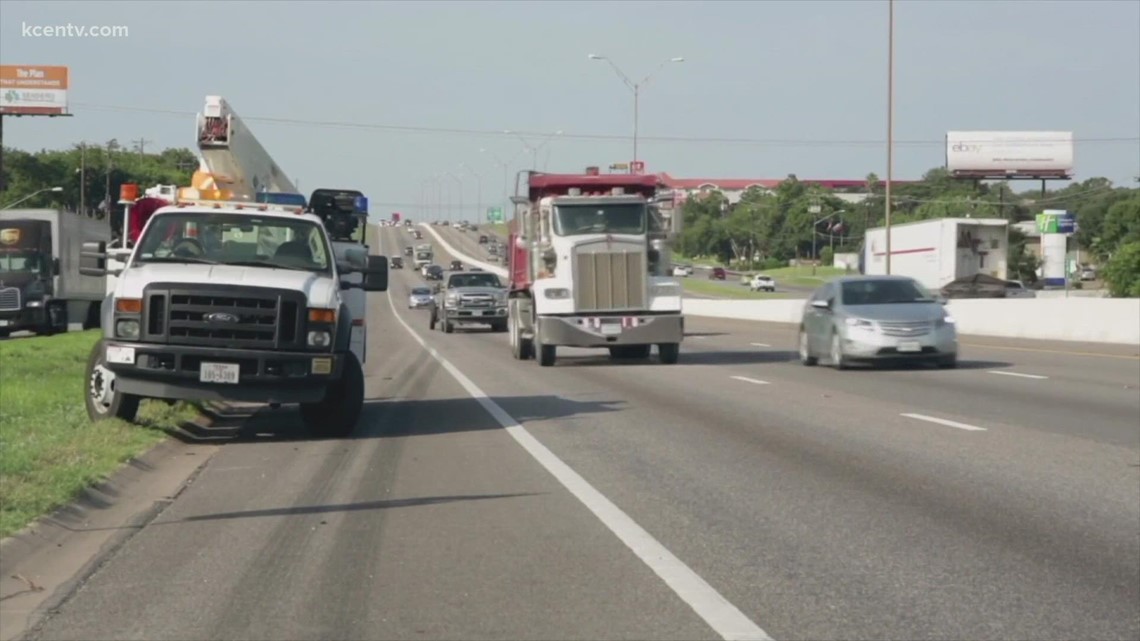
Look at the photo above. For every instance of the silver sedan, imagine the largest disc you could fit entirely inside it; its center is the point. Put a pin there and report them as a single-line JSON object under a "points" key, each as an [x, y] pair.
{"points": [[876, 318], [419, 297]]}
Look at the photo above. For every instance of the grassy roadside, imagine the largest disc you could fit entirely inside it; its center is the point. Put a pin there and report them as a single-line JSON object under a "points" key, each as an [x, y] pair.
{"points": [[49, 450], [802, 276], [729, 289]]}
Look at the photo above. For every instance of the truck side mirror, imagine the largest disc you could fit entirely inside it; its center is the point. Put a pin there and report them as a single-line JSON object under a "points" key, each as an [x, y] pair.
{"points": [[92, 259], [376, 274], [55, 267]]}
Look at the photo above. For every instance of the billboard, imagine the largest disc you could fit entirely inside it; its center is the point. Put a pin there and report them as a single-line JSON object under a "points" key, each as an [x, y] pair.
{"points": [[1010, 154], [33, 90]]}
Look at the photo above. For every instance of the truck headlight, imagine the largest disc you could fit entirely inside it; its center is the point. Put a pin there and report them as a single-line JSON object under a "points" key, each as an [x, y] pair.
{"points": [[319, 338], [453, 298], [127, 328], [666, 289], [558, 293]]}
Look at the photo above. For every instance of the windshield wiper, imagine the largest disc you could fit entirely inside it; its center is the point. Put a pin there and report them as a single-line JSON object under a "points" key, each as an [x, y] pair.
{"points": [[181, 259]]}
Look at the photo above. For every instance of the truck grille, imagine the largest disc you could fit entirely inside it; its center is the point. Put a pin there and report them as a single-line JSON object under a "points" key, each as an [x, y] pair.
{"points": [[610, 280], [224, 316], [905, 329], [476, 300], [9, 299]]}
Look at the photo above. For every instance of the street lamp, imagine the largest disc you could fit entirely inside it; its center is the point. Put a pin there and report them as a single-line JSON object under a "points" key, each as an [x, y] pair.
{"points": [[33, 195], [479, 192], [815, 235], [532, 148], [636, 88], [458, 181], [506, 178]]}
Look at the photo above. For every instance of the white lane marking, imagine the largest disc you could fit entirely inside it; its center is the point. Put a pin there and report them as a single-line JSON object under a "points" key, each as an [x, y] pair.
{"points": [[942, 421], [723, 617], [754, 381], [1033, 376], [761, 345]]}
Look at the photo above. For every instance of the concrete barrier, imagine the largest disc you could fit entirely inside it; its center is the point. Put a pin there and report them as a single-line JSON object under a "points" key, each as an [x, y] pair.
{"points": [[1093, 320]]}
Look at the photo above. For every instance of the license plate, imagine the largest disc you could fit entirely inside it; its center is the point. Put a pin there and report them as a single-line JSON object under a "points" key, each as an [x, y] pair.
{"points": [[219, 373], [911, 346], [120, 355], [477, 312], [3, 323], [611, 329]]}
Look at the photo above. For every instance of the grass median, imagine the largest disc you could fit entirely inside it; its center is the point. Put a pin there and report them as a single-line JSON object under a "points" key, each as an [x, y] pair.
{"points": [[729, 289], [49, 450]]}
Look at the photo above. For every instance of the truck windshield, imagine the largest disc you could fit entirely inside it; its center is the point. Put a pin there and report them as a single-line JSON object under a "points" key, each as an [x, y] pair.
{"points": [[475, 280], [28, 262], [607, 218], [235, 239], [884, 292]]}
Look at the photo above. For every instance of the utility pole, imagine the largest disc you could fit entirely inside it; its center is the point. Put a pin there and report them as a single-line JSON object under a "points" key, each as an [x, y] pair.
{"points": [[140, 144], [890, 121], [83, 178]]}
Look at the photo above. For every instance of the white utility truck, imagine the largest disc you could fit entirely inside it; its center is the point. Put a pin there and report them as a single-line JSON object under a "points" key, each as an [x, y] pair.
{"points": [[233, 301], [940, 252], [590, 266]]}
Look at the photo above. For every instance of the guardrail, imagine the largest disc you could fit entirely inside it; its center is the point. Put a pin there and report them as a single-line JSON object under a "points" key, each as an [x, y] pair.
{"points": [[1093, 320]]}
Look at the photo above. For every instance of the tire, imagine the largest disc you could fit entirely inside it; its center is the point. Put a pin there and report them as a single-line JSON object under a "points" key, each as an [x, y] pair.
{"points": [[101, 403], [336, 416], [836, 353], [948, 362], [669, 353], [545, 354], [520, 348], [431, 320], [499, 327], [805, 351], [447, 326]]}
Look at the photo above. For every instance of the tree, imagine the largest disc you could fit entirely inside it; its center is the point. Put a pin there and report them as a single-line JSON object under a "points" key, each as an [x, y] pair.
{"points": [[1122, 273]]}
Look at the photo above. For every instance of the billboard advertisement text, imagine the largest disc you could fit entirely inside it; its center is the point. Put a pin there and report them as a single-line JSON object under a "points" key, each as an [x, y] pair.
{"points": [[1029, 154], [31, 90]]}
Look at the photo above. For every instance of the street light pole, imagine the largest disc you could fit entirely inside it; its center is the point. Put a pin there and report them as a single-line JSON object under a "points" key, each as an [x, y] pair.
{"points": [[890, 121], [479, 193], [635, 87], [55, 190], [533, 149], [815, 237], [458, 181]]}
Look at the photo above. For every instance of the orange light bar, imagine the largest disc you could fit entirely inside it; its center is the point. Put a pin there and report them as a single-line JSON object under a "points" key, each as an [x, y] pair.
{"points": [[128, 305], [322, 315], [129, 192]]}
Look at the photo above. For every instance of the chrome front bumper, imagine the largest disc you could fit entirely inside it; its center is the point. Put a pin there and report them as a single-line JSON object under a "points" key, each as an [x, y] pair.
{"points": [[608, 331], [873, 344]]}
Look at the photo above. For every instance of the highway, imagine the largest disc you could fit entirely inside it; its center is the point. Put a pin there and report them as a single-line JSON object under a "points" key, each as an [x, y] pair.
{"points": [[736, 494]]}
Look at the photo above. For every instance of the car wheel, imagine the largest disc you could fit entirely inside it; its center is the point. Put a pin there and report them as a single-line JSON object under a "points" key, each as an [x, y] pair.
{"points": [[837, 358], [805, 350]]}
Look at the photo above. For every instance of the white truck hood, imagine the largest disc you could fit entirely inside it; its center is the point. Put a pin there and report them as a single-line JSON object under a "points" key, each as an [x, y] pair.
{"points": [[320, 291]]}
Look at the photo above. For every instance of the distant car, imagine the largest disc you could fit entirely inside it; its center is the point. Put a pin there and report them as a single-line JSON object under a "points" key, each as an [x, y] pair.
{"points": [[397, 262], [483, 240], [762, 283], [682, 270], [419, 297], [718, 273], [876, 318], [1088, 274], [455, 266], [409, 250], [434, 272]]}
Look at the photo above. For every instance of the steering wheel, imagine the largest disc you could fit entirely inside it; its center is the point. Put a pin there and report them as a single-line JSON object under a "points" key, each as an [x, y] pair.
{"points": [[188, 248]]}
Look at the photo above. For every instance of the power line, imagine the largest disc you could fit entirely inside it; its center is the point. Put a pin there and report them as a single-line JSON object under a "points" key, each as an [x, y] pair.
{"points": [[773, 142]]}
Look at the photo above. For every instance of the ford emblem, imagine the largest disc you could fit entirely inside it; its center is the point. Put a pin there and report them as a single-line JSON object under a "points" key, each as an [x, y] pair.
{"points": [[221, 317]]}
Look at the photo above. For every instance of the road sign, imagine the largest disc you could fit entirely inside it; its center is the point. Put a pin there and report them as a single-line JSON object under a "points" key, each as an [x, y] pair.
{"points": [[494, 214], [637, 166]]}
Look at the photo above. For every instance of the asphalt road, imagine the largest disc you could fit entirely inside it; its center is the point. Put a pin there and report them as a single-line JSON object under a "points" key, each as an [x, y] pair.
{"points": [[734, 494]]}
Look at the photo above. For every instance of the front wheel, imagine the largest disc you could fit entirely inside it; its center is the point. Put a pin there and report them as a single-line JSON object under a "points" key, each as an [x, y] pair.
{"points": [[669, 353], [337, 414], [805, 350], [102, 399], [838, 360]]}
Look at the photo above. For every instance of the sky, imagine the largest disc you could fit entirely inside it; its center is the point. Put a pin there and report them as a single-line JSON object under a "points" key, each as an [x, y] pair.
{"points": [[349, 90]]}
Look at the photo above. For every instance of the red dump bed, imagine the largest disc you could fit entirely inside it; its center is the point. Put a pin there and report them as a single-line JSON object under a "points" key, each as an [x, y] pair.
{"points": [[540, 186]]}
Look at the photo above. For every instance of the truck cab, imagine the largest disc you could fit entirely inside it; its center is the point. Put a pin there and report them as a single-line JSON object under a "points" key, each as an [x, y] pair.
{"points": [[233, 301], [590, 267]]}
